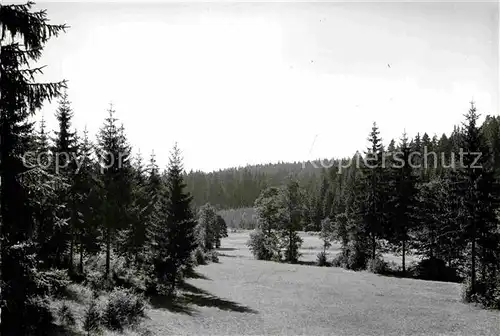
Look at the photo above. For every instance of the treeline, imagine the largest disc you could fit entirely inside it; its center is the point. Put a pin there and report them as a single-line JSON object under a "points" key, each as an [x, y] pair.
{"points": [[81, 210], [438, 198], [235, 188]]}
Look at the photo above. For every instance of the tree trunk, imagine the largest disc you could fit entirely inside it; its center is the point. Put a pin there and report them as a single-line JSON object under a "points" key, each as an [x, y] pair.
{"points": [[108, 250], [473, 266], [374, 247], [403, 259], [71, 252], [81, 258]]}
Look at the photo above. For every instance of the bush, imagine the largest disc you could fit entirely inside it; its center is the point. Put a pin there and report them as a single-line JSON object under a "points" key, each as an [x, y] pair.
{"points": [[123, 308], [66, 316], [264, 247], [377, 266], [53, 282], [321, 259], [434, 269], [213, 256], [351, 258], [38, 316], [97, 281], [92, 319], [199, 256], [487, 293]]}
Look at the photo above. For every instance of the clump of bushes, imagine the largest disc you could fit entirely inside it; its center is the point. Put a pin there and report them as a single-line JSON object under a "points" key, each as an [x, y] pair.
{"points": [[213, 256], [377, 266], [92, 319], [38, 316], [123, 308], [199, 256], [434, 269], [487, 293], [264, 247], [53, 282], [351, 258], [66, 316]]}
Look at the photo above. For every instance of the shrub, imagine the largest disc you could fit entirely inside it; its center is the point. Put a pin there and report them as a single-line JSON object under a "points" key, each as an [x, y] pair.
{"points": [[38, 316], [53, 282], [123, 308], [213, 256], [487, 293], [351, 258], [92, 319], [377, 266], [264, 247], [66, 316], [321, 259], [97, 281], [199, 256], [434, 269], [357, 259]]}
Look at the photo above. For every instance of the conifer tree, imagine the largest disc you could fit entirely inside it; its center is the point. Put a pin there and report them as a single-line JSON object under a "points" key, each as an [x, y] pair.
{"points": [[175, 238], [478, 195], [87, 199], [206, 229], [64, 165], [403, 201], [292, 210], [115, 194], [221, 230], [24, 34], [372, 197]]}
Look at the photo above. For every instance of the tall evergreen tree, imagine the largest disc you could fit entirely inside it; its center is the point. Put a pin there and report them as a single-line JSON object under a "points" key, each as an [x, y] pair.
{"points": [[372, 197], [24, 35], [175, 238], [292, 210], [114, 153], [403, 202], [478, 194], [64, 165]]}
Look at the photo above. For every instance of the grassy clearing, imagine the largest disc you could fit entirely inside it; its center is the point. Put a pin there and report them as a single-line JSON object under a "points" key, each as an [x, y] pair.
{"points": [[242, 296]]}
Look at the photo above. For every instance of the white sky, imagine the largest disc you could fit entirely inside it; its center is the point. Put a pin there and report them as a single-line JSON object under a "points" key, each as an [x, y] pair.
{"points": [[257, 82]]}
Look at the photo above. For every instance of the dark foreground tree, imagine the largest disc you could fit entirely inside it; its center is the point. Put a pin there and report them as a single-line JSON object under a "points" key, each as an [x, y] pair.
{"points": [[23, 36]]}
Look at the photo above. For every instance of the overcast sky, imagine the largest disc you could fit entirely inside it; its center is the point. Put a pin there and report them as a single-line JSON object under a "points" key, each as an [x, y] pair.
{"points": [[259, 82]]}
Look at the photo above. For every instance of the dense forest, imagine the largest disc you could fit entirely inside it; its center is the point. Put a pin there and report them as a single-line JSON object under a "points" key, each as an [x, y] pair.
{"points": [[77, 209]]}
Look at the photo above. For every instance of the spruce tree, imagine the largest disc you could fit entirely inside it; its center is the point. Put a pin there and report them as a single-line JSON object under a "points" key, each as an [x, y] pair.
{"points": [[115, 173], [24, 35], [478, 194], [175, 238], [86, 187], [403, 201], [64, 165], [292, 210], [221, 230], [372, 196]]}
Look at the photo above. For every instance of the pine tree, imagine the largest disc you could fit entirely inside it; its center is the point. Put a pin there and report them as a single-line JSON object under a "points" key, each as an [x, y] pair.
{"points": [[207, 227], [86, 187], [403, 202], [24, 34], [64, 165], [175, 238], [292, 210], [221, 230], [372, 196], [114, 153], [479, 196]]}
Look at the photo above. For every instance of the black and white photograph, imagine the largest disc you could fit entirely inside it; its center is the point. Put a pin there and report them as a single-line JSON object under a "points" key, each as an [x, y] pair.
{"points": [[249, 168]]}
